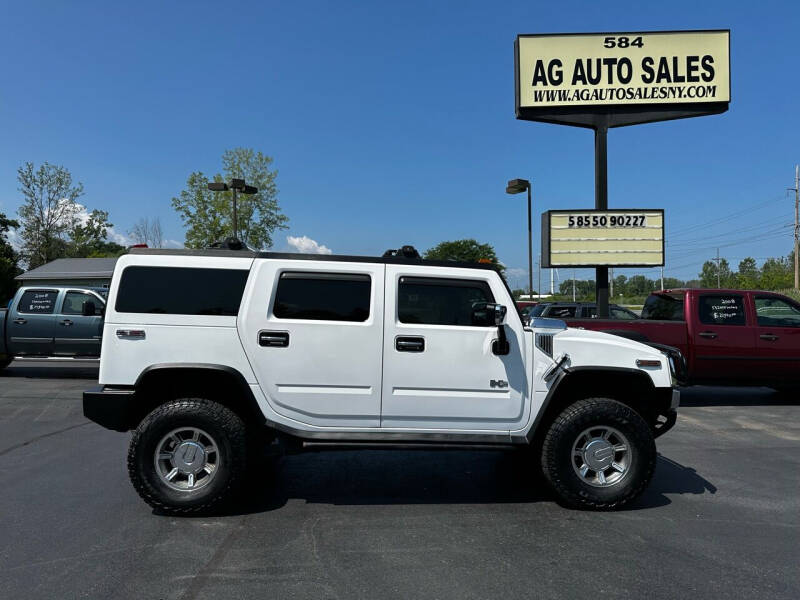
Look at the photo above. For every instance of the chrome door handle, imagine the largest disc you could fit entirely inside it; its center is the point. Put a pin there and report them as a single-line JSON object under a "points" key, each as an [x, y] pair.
{"points": [[707, 334], [130, 334], [770, 337], [409, 344], [66, 322], [20, 321], [273, 339]]}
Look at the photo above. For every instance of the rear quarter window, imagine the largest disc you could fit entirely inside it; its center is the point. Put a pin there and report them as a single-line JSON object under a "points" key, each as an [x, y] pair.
{"points": [[664, 307], [181, 291]]}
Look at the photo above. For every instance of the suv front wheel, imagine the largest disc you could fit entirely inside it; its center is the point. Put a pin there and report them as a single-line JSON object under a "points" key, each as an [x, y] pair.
{"points": [[187, 456], [598, 454]]}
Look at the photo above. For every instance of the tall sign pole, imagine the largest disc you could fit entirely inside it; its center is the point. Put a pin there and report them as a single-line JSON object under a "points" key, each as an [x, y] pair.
{"points": [[601, 203]]}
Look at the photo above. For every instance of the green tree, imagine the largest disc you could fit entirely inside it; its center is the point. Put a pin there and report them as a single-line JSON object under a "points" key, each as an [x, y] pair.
{"points": [[639, 285], [708, 274], [468, 250], [9, 259], [620, 285], [208, 215], [90, 239], [48, 211], [777, 273], [671, 283], [748, 275]]}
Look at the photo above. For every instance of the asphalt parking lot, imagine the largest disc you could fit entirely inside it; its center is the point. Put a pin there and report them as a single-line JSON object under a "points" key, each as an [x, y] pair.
{"points": [[721, 518]]}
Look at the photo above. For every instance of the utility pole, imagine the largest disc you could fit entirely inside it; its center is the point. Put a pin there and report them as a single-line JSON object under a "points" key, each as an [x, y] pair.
{"points": [[539, 289], [662, 278], [611, 283], [796, 225], [573, 285], [717, 261]]}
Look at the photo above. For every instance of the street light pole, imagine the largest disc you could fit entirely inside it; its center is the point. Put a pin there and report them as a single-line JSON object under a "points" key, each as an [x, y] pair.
{"points": [[516, 186], [530, 250], [235, 185], [235, 217]]}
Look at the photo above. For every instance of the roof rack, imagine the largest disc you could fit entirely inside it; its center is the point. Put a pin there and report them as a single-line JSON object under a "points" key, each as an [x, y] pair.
{"points": [[403, 252]]}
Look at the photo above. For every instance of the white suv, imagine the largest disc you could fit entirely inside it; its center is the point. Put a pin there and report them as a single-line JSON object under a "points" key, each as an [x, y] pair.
{"points": [[209, 355]]}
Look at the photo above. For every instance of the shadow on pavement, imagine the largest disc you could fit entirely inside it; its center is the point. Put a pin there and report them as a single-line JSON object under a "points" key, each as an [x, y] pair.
{"points": [[375, 477], [56, 370], [672, 478], [736, 396]]}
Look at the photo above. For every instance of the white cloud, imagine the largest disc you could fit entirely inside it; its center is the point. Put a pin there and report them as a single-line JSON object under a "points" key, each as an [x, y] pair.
{"points": [[14, 239], [173, 244], [305, 245], [517, 278]]}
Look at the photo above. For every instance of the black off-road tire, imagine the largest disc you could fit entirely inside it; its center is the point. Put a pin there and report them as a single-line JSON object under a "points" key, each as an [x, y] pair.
{"points": [[557, 454], [221, 423], [4, 362]]}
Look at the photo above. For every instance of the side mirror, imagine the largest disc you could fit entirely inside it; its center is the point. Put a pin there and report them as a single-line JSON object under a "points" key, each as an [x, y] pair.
{"points": [[88, 309], [488, 314]]}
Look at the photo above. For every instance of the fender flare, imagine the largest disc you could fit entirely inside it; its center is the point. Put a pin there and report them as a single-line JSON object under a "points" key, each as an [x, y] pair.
{"points": [[563, 375], [241, 382]]}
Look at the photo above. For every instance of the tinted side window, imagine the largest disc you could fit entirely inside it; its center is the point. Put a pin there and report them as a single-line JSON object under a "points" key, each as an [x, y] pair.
{"points": [[440, 301], [561, 312], [663, 307], [181, 291], [38, 302], [775, 312], [73, 303], [323, 296], [621, 313], [721, 310]]}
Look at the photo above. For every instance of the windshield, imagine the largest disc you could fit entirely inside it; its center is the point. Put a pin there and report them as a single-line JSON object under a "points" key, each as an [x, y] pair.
{"points": [[537, 310]]}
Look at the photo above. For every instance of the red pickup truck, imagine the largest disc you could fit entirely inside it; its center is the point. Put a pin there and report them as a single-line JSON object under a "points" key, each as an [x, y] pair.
{"points": [[727, 337]]}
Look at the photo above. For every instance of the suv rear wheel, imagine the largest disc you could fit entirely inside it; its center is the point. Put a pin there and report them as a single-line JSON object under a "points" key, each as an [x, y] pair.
{"points": [[187, 456], [598, 454]]}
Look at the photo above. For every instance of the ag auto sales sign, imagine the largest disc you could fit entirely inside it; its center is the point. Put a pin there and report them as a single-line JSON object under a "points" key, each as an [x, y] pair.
{"points": [[590, 71]]}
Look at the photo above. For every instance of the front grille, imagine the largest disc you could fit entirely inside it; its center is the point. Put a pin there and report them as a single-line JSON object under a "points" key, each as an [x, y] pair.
{"points": [[544, 341]]}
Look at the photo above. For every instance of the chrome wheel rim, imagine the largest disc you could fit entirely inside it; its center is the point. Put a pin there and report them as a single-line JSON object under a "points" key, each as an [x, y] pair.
{"points": [[187, 459], [601, 456]]}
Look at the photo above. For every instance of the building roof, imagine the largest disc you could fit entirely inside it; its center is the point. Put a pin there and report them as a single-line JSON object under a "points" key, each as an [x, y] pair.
{"points": [[72, 268]]}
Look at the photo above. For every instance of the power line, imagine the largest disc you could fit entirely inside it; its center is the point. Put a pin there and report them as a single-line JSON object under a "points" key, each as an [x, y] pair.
{"points": [[726, 218]]}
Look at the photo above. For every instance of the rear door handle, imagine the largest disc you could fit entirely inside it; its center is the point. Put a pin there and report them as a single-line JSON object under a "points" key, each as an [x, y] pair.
{"points": [[273, 339], [707, 334], [771, 337], [20, 321], [409, 344], [66, 322]]}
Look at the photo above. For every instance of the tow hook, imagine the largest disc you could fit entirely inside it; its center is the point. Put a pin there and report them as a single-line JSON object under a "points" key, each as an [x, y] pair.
{"points": [[558, 366]]}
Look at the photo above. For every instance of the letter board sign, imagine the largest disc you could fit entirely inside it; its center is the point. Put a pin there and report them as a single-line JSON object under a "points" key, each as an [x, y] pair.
{"points": [[603, 238]]}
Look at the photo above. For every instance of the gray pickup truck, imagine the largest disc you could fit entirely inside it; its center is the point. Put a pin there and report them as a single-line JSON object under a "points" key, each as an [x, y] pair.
{"points": [[52, 321]]}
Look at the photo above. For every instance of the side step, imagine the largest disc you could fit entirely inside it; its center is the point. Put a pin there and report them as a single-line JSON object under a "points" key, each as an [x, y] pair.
{"points": [[312, 446]]}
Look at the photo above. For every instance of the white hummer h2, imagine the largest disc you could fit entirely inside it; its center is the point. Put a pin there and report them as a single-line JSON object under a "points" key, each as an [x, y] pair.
{"points": [[209, 355]]}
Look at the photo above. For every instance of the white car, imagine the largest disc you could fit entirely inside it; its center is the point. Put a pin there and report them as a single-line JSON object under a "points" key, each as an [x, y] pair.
{"points": [[208, 355]]}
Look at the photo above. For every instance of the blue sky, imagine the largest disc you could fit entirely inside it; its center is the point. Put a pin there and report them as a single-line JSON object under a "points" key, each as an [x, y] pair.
{"points": [[391, 123]]}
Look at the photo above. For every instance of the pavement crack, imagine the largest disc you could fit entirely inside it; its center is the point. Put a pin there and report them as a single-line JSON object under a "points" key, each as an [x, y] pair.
{"points": [[41, 437]]}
